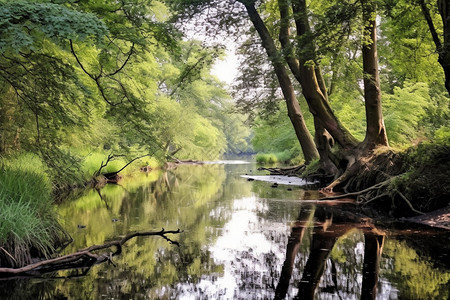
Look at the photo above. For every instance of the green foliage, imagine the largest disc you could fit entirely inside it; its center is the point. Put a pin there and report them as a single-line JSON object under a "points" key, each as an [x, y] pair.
{"points": [[407, 51], [28, 217], [284, 157], [24, 25], [403, 110], [137, 90], [276, 135], [442, 135], [93, 161]]}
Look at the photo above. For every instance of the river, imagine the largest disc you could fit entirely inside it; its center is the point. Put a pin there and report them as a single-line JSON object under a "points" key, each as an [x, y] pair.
{"points": [[241, 239]]}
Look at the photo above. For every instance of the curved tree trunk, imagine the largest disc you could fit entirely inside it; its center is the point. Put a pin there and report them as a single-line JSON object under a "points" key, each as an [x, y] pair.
{"points": [[308, 74], [295, 114]]}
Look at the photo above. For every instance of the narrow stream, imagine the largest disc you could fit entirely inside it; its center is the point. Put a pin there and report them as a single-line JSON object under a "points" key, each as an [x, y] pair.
{"points": [[237, 236]]}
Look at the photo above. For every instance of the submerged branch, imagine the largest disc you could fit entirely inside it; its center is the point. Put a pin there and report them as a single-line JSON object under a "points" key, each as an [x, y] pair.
{"points": [[85, 258]]}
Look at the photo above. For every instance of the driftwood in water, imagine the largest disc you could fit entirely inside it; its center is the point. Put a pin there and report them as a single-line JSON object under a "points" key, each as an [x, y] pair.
{"points": [[84, 258]]}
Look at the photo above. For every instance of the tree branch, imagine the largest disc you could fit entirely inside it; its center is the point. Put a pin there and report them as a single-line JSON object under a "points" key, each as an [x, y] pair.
{"points": [[85, 258], [81, 65], [124, 63], [434, 34], [115, 172]]}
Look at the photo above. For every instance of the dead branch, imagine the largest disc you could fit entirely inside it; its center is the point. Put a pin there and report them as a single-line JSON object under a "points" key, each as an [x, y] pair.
{"points": [[85, 258], [102, 165], [289, 171], [108, 175]]}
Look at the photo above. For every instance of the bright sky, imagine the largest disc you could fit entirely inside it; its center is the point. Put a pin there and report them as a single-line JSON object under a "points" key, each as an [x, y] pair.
{"points": [[226, 70]]}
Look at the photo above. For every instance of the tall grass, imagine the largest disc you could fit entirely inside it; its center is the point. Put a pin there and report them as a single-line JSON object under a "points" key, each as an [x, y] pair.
{"points": [[28, 223]]}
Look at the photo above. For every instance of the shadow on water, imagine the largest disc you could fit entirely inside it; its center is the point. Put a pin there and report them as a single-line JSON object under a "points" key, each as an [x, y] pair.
{"points": [[242, 240]]}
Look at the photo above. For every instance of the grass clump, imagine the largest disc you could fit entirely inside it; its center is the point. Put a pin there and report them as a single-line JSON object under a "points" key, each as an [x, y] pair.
{"points": [[28, 223], [285, 157], [266, 158]]}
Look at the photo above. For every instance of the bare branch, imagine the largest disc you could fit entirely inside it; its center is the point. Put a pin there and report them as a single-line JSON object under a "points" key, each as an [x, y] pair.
{"points": [[85, 258]]}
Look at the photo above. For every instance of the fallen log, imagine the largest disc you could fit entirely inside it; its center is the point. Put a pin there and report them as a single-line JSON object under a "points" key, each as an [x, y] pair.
{"points": [[84, 258]]}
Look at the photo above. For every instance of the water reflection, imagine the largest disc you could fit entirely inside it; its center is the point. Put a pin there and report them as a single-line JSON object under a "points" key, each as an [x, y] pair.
{"points": [[329, 225], [241, 240]]}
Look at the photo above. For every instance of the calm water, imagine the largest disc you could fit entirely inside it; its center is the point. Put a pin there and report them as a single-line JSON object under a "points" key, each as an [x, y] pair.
{"points": [[242, 240]]}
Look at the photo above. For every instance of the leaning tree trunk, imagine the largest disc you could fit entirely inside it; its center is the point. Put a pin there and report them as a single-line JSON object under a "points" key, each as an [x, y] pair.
{"points": [[375, 130], [308, 74], [295, 114]]}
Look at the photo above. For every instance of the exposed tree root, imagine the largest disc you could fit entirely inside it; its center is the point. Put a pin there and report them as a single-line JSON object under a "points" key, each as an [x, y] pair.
{"points": [[359, 193], [84, 258], [381, 190]]}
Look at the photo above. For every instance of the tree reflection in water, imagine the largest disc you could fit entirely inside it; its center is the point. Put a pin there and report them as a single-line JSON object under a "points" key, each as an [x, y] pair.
{"points": [[329, 224]]}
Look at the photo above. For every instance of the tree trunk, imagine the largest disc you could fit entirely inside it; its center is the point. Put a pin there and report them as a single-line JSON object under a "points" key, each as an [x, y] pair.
{"points": [[444, 55], [324, 142], [310, 78], [295, 114], [443, 50], [375, 130]]}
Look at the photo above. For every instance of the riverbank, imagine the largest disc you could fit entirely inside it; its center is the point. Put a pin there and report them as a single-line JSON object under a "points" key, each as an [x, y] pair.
{"points": [[29, 225]]}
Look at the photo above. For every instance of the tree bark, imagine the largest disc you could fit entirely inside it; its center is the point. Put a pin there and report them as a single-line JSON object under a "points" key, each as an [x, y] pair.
{"points": [[310, 78], [375, 130], [295, 114]]}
